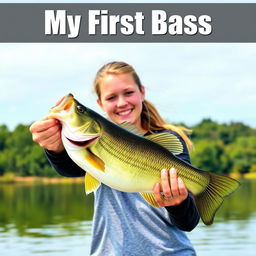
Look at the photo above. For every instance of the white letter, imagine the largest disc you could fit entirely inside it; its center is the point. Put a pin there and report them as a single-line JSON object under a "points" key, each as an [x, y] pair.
{"points": [[177, 26], [92, 21], [73, 25], [206, 28], [128, 28], [159, 26], [191, 28], [113, 20], [55, 25], [104, 22], [139, 17]]}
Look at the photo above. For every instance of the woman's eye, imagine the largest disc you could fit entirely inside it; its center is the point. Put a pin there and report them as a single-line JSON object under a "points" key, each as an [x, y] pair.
{"points": [[110, 98], [129, 93]]}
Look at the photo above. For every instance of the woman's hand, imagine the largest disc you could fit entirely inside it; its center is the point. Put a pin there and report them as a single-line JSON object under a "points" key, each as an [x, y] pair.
{"points": [[171, 191], [47, 133]]}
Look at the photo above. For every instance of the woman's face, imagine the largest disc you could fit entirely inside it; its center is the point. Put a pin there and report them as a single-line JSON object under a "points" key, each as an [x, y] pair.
{"points": [[121, 99]]}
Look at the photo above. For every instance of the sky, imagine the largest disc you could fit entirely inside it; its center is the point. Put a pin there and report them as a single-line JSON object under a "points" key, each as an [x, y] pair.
{"points": [[186, 81]]}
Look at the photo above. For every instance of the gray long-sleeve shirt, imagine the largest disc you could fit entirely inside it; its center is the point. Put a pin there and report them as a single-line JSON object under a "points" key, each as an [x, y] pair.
{"points": [[125, 224]]}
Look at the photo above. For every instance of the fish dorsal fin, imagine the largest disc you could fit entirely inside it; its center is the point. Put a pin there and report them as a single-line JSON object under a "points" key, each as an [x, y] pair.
{"points": [[94, 161], [168, 141], [131, 128], [149, 197], [91, 183]]}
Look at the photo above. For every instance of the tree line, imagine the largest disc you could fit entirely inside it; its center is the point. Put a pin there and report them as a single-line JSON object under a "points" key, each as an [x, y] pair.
{"points": [[220, 148]]}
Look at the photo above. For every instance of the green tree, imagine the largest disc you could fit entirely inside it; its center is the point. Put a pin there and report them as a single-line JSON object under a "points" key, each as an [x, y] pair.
{"points": [[20, 155], [207, 155], [207, 129], [220, 148], [242, 154], [4, 134]]}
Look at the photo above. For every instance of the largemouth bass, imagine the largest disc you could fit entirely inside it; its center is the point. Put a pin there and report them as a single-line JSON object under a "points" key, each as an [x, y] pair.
{"points": [[120, 157]]}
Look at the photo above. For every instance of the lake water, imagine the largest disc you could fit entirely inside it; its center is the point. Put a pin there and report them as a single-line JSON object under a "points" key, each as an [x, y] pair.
{"points": [[55, 220]]}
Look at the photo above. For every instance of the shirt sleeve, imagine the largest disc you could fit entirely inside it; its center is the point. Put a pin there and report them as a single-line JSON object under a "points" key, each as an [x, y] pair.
{"points": [[184, 216], [63, 164]]}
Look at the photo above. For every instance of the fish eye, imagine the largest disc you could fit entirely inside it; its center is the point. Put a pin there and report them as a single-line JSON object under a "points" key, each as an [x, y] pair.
{"points": [[80, 109]]}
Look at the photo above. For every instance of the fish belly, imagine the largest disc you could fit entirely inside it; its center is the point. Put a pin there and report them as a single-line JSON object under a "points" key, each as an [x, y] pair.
{"points": [[129, 180]]}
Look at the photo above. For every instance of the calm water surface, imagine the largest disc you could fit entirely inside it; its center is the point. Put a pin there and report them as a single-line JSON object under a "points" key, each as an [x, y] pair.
{"points": [[55, 220]]}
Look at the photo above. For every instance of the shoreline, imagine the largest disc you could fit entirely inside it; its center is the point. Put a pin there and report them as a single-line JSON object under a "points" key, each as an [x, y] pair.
{"points": [[40, 180], [11, 179]]}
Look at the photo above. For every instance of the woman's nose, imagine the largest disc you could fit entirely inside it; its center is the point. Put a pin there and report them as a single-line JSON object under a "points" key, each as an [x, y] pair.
{"points": [[121, 102]]}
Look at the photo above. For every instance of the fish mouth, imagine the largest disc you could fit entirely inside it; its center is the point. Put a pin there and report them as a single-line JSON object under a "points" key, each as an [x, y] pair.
{"points": [[84, 143], [64, 104]]}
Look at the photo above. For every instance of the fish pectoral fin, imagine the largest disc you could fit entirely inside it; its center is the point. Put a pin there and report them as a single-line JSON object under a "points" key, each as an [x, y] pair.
{"points": [[168, 141], [149, 197], [91, 183], [94, 161]]}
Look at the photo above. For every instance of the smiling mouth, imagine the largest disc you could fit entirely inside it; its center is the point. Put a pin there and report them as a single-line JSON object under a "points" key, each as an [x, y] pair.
{"points": [[84, 143], [124, 113]]}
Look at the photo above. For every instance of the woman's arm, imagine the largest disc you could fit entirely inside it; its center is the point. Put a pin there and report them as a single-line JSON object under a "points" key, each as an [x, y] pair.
{"points": [[184, 216], [177, 200], [63, 164]]}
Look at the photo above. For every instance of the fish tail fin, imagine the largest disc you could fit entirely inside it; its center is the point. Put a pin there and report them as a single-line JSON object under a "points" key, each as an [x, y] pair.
{"points": [[210, 200]]}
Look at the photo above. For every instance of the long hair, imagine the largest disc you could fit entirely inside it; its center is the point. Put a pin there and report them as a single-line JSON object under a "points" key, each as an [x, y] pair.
{"points": [[150, 118]]}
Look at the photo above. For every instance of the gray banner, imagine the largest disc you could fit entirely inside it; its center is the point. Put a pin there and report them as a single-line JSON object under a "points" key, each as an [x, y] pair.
{"points": [[127, 22]]}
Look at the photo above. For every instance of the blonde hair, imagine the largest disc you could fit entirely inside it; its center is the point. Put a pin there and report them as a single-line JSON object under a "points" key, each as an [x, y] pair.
{"points": [[151, 120]]}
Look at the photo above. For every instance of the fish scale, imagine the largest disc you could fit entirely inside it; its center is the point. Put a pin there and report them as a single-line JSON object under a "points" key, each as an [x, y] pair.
{"points": [[121, 150], [117, 153]]}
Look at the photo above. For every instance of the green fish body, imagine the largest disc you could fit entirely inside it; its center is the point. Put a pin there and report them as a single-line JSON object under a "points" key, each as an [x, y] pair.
{"points": [[123, 159]]}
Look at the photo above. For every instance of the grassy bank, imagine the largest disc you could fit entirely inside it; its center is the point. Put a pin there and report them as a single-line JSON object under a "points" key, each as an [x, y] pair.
{"points": [[11, 178], [251, 175]]}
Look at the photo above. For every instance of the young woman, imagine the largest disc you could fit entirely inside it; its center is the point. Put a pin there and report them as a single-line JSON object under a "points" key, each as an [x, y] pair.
{"points": [[123, 223]]}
